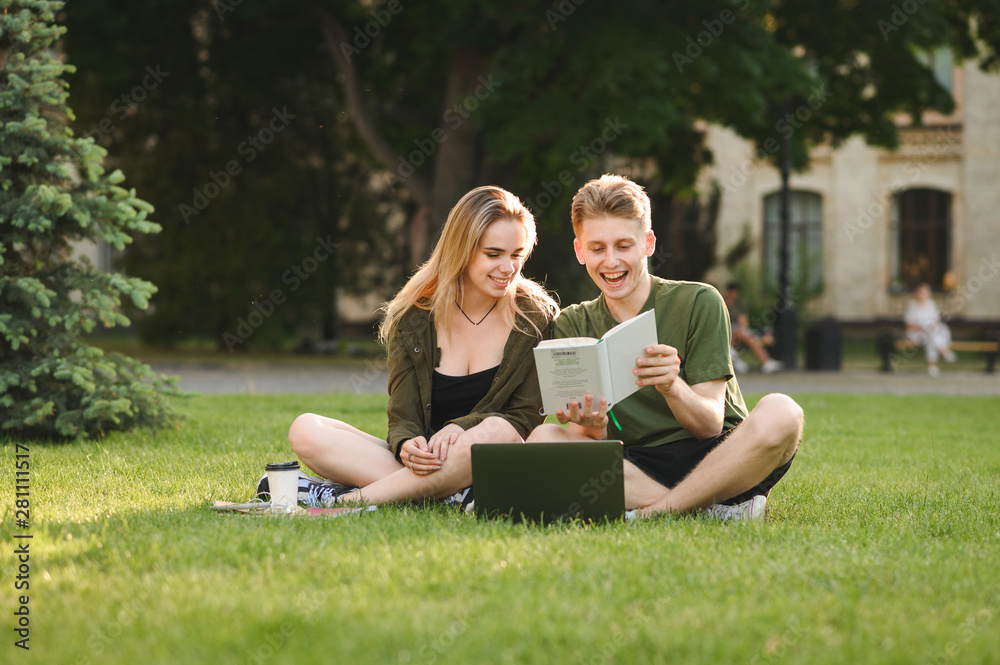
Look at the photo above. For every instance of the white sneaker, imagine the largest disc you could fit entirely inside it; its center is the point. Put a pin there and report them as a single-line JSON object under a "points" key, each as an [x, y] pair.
{"points": [[751, 509], [933, 370], [771, 365], [949, 355]]}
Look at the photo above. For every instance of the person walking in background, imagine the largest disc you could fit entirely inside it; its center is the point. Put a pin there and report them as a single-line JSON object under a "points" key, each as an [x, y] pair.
{"points": [[459, 339], [743, 334], [925, 328]]}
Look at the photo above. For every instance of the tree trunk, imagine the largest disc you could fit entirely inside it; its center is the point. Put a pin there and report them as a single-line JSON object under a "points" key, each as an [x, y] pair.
{"points": [[456, 164]]}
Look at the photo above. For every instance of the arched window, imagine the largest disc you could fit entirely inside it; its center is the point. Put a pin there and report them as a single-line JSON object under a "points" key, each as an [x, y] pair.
{"points": [[921, 230], [805, 216]]}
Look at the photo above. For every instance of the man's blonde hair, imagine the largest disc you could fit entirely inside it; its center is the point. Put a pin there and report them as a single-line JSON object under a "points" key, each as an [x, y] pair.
{"points": [[611, 196]]}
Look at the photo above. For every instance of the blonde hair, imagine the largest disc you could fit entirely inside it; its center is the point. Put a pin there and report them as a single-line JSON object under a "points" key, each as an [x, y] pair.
{"points": [[437, 284], [611, 196]]}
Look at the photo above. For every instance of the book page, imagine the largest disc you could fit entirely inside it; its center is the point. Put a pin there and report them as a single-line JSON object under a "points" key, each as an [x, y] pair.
{"points": [[566, 341], [567, 373], [622, 345]]}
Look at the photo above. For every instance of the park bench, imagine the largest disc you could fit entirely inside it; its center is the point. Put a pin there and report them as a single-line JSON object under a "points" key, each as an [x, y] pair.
{"points": [[890, 342]]}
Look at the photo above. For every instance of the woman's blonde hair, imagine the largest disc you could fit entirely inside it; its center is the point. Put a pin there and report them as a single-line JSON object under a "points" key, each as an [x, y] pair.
{"points": [[437, 284]]}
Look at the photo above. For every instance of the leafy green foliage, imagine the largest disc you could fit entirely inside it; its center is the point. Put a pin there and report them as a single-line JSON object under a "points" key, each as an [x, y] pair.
{"points": [[53, 191], [561, 71], [243, 88]]}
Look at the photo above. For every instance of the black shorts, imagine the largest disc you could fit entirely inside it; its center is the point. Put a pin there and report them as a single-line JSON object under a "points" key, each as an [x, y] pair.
{"points": [[670, 463]]}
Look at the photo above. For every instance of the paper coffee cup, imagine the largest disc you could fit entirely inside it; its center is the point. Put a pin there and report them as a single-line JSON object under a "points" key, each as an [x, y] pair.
{"points": [[283, 483]]}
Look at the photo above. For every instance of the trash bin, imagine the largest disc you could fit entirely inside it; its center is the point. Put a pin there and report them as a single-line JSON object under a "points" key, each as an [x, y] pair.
{"points": [[823, 346]]}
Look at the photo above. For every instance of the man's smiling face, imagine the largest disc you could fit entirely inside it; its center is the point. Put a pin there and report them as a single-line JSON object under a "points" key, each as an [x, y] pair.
{"points": [[614, 250]]}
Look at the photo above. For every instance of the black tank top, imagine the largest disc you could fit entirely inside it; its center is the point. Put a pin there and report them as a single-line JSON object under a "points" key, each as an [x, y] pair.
{"points": [[456, 396]]}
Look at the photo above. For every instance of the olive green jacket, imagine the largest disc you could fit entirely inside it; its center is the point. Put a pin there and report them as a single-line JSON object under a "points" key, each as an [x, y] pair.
{"points": [[412, 356]]}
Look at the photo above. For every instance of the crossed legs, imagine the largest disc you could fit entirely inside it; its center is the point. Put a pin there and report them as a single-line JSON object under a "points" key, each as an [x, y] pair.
{"points": [[765, 440], [340, 452]]}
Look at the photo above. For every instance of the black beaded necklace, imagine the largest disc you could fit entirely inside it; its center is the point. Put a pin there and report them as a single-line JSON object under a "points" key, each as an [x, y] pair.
{"points": [[476, 323]]}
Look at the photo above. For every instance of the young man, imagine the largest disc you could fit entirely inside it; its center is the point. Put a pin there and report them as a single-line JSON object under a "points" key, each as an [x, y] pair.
{"points": [[689, 442]]}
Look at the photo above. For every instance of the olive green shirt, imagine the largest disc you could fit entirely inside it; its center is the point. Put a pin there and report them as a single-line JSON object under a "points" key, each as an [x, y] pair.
{"points": [[413, 354], [691, 317]]}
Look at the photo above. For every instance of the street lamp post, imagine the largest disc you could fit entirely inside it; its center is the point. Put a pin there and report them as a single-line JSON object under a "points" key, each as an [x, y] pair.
{"points": [[786, 333]]}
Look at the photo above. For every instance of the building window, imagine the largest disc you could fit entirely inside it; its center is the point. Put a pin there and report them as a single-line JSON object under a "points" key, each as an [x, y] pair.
{"points": [[805, 216], [921, 230]]}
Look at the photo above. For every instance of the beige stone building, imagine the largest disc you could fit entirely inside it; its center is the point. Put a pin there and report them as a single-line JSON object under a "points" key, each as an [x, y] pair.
{"points": [[868, 223]]}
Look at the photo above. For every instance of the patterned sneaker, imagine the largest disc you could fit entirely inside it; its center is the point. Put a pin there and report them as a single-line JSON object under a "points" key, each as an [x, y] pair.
{"points": [[461, 499], [318, 494], [751, 509], [314, 492]]}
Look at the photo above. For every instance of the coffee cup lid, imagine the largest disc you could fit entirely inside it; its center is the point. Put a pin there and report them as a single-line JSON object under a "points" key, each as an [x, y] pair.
{"points": [[282, 466]]}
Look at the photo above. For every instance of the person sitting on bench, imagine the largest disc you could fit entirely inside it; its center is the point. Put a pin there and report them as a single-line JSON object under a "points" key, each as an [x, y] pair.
{"points": [[925, 328], [742, 334]]}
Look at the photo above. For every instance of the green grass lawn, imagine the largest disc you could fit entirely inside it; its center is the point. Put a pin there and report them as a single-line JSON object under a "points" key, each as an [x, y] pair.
{"points": [[882, 546]]}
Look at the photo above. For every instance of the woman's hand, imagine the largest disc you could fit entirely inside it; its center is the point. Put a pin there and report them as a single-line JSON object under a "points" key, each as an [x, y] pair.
{"points": [[415, 454], [443, 439]]}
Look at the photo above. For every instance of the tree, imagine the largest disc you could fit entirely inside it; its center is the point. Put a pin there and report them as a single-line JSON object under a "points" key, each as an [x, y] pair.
{"points": [[243, 148], [537, 96], [54, 190]]}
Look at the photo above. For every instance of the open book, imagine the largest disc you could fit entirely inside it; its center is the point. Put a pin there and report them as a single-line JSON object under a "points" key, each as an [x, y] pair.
{"points": [[574, 367]]}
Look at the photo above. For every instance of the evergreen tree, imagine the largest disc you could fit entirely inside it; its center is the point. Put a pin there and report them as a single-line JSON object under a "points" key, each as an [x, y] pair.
{"points": [[54, 191]]}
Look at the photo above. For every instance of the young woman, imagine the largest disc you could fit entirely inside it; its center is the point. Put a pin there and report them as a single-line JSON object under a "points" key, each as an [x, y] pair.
{"points": [[458, 337]]}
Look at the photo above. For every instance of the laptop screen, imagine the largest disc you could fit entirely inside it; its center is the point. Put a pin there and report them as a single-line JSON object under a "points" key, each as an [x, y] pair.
{"points": [[547, 482]]}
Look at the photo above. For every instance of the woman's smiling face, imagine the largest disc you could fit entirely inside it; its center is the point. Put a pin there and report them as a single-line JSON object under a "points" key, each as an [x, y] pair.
{"points": [[498, 260]]}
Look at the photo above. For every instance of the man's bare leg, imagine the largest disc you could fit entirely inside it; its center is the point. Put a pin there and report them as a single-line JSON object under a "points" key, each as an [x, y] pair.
{"points": [[767, 439]]}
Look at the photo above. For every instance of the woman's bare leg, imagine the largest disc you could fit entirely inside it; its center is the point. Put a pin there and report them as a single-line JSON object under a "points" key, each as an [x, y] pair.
{"points": [[341, 452]]}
